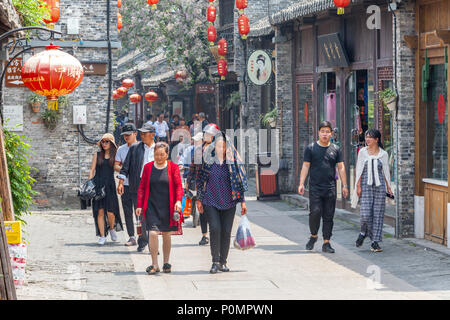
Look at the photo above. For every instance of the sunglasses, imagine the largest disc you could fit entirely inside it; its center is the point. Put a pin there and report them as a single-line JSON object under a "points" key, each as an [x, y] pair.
{"points": [[105, 141]]}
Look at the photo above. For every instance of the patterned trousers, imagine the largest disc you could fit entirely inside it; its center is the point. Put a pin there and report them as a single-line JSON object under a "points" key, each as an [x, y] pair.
{"points": [[373, 202]]}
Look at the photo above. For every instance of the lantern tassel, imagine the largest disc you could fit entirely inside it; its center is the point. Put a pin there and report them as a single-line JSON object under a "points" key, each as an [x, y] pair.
{"points": [[340, 10], [153, 6], [52, 104], [244, 37]]}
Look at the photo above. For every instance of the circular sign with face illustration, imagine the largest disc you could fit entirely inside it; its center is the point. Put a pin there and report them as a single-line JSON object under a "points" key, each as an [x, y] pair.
{"points": [[259, 67]]}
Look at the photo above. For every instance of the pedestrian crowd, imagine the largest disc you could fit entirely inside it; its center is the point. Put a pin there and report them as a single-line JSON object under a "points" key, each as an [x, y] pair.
{"points": [[158, 164]]}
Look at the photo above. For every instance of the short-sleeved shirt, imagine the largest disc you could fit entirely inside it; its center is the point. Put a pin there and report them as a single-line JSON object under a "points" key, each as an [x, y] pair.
{"points": [[161, 128], [322, 170], [121, 155]]}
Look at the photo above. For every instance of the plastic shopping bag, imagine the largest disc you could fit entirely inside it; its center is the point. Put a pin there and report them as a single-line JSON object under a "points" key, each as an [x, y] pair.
{"points": [[18, 255], [244, 239]]}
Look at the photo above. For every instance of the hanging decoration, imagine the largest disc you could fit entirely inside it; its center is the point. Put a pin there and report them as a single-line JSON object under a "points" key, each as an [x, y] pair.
{"points": [[119, 22], [52, 73], [222, 48], [244, 26], [241, 5], [212, 35], [153, 3], [127, 83], [122, 91], [151, 96], [135, 98], [341, 4], [180, 75], [441, 109], [119, 4], [116, 96], [53, 6], [211, 14], [222, 68]]}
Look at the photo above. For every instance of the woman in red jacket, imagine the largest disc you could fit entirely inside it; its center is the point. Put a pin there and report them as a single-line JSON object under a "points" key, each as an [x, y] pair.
{"points": [[159, 196]]}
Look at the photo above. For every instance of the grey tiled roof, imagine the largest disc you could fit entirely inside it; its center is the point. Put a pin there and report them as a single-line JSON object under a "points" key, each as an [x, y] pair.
{"points": [[260, 28]]}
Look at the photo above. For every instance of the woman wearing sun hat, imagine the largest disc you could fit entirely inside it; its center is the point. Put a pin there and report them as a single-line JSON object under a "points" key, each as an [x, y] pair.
{"points": [[102, 170]]}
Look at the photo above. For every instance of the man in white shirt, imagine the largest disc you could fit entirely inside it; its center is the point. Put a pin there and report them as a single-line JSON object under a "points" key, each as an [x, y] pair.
{"points": [[138, 156], [129, 134], [149, 119], [162, 129]]}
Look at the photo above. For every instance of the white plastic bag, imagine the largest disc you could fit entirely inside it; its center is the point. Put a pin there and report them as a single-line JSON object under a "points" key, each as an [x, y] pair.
{"points": [[18, 256], [244, 239]]}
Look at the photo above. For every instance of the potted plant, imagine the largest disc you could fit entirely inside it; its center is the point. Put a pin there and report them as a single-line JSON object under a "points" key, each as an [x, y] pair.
{"points": [[50, 118], [389, 98], [270, 118], [35, 100]]}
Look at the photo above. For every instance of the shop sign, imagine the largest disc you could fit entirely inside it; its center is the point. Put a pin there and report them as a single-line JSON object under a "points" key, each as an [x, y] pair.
{"points": [[259, 67], [13, 77], [333, 50], [94, 68], [204, 88]]}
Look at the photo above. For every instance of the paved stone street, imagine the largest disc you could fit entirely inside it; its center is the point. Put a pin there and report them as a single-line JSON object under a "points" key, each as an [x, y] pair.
{"points": [[64, 262]]}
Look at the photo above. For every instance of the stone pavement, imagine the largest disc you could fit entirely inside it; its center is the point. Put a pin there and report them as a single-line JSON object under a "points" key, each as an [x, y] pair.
{"points": [[64, 262]]}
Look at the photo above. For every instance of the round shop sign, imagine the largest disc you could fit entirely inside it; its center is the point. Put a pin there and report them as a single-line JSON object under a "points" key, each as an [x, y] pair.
{"points": [[259, 67]]}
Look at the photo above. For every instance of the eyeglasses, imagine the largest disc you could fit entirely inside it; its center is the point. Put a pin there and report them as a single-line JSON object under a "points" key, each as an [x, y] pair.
{"points": [[105, 141]]}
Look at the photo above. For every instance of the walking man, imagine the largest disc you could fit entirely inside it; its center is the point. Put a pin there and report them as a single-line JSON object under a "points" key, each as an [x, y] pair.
{"points": [[162, 129], [320, 159], [129, 133], [138, 156]]}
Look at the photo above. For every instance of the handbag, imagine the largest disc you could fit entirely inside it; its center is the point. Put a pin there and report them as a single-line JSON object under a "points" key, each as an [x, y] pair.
{"points": [[87, 190], [100, 194]]}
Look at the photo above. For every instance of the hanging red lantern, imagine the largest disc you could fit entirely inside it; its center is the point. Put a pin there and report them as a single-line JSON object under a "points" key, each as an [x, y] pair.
{"points": [[244, 26], [341, 4], [211, 0], [127, 83], [151, 96], [119, 21], [116, 96], [53, 6], [180, 75], [211, 14], [222, 47], [222, 69], [52, 73], [119, 3], [153, 3], [212, 34], [241, 5], [122, 91], [135, 98]]}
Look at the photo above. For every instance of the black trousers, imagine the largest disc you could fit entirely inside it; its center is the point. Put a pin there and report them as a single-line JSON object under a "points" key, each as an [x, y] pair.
{"points": [[322, 205], [204, 223], [143, 239], [128, 206], [220, 225]]}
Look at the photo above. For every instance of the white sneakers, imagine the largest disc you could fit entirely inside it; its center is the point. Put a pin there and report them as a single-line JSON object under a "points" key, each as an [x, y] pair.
{"points": [[101, 240], [113, 235]]}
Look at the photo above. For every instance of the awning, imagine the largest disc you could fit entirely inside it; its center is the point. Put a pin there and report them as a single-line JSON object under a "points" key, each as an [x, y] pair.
{"points": [[157, 79], [261, 28]]}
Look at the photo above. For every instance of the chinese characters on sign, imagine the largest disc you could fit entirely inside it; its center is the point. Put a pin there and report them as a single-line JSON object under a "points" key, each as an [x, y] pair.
{"points": [[332, 49], [13, 76], [259, 67], [94, 68]]}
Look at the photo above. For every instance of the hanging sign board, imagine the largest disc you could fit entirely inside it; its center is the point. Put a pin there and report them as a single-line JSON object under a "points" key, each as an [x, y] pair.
{"points": [[94, 68], [259, 67], [333, 50], [13, 76]]}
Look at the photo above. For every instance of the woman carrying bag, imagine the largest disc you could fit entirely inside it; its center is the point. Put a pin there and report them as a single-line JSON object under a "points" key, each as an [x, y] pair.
{"points": [[372, 186], [221, 185], [105, 205], [159, 200]]}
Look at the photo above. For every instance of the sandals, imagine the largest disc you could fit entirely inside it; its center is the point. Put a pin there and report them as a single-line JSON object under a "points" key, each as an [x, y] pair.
{"points": [[152, 270], [167, 268]]}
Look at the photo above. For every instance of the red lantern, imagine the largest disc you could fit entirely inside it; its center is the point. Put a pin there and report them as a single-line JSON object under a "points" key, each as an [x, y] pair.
{"points": [[135, 98], [241, 5], [180, 75], [116, 96], [127, 83], [53, 6], [52, 73], [119, 3], [244, 26], [211, 14], [151, 96], [211, 0], [153, 3], [122, 91], [119, 21], [222, 47], [212, 34], [341, 4], [222, 68]]}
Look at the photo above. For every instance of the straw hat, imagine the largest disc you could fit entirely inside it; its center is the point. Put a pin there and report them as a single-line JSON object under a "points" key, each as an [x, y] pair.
{"points": [[107, 136]]}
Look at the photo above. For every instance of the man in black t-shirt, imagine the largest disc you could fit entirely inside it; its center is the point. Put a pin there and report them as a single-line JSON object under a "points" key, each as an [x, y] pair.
{"points": [[320, 159]]}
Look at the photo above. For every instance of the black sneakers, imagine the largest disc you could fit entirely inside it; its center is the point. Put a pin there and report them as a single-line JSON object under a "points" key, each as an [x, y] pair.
{"points": [[360, 240], [311, 242], [204, 241], [375, 247], [327, 248]]}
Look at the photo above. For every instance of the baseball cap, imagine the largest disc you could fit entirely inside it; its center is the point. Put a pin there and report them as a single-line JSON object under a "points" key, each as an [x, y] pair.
{"points": [[212, 129], [127, 129], [198, 136], [147, 127]]}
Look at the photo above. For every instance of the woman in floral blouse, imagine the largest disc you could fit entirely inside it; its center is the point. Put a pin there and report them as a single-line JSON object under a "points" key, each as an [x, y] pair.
{"points": [[221, 185]]}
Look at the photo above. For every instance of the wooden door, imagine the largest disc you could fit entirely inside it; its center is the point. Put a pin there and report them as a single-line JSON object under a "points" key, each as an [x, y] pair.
{"points": [[436, 199]]}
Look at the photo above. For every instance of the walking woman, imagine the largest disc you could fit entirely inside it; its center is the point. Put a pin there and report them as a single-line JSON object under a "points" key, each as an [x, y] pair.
{"points": [[105, 210], [159, 197], [220, 187], [372, 184]]}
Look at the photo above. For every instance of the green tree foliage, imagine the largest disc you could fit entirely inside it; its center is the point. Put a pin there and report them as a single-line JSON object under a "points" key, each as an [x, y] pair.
{"points": [[17, 155], [32, 12], [176, 28]]}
